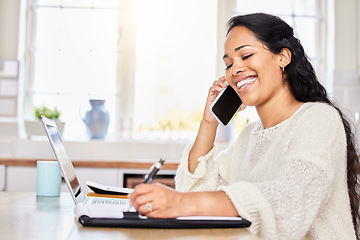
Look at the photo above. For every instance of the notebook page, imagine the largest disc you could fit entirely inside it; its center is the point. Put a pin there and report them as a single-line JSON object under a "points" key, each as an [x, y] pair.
{"points": [[99, 210]]}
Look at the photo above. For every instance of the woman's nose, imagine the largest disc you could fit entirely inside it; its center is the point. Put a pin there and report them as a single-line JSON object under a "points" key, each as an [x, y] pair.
{"points": [[238, 67]]}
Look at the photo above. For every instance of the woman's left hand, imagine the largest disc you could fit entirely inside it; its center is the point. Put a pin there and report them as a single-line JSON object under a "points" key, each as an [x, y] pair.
{"points": [[157, 201]]}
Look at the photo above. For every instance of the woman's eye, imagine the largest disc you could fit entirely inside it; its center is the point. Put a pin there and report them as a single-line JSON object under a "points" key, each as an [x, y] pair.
{"points": [[247, 56], [243, 58], [228, 66]]}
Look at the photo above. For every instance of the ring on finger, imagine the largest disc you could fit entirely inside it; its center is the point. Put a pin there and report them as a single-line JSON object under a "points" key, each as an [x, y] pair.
{"points": [[149, 206]]}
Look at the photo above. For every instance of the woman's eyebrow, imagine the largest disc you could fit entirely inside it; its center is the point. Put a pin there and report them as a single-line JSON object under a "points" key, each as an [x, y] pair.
{"points": [[240, 47], [237, 49]]}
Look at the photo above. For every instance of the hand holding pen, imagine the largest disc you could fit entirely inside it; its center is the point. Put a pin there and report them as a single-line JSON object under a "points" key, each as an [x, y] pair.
{"points": [[150, 176]]}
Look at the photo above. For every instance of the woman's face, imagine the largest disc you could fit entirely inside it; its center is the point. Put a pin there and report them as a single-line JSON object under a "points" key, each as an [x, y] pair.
{"points": [[251, 69]]}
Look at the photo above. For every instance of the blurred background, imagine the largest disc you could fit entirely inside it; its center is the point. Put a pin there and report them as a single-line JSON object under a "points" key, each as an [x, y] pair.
{"points": [[152, 61]]}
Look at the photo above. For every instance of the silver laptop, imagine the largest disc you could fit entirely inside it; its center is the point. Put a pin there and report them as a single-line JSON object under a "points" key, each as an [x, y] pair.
{"points": [[115, 206]]}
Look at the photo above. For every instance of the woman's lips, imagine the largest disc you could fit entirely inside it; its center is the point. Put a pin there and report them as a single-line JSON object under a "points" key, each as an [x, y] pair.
{"points": [[246, 83]]}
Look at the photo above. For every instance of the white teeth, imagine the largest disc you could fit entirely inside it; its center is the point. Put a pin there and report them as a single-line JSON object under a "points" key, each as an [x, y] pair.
{"points": [[246, 81]]}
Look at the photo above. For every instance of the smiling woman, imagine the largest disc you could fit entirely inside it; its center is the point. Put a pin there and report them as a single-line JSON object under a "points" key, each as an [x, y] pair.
{"points": [[292, 174]]}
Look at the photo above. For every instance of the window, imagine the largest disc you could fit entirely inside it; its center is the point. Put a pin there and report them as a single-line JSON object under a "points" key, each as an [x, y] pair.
{"points": [[175, 65], [153, 61], [72, 56]]}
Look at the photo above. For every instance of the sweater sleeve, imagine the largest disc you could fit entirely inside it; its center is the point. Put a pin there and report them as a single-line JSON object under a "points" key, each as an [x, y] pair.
{"points": [[210, 173], [286, 206], [197, 181]]}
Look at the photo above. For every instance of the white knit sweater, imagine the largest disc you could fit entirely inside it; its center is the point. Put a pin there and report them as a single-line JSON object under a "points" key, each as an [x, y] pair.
{"points": [[288, 180]]}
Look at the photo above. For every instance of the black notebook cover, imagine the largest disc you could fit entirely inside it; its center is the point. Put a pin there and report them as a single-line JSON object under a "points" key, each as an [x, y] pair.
{"points": [[132, 220]]}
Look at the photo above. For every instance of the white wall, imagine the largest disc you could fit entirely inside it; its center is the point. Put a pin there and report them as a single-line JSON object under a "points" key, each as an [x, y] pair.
{"points": [[9, 22], [346, 73], [346, 34]]}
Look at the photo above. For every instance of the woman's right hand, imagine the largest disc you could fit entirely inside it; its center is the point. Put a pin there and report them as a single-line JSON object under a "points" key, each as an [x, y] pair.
{"points": [[214, 90], [218, 86]]}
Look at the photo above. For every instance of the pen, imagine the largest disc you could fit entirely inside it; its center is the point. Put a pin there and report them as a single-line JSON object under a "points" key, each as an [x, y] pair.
{"points": [[149, 177]]}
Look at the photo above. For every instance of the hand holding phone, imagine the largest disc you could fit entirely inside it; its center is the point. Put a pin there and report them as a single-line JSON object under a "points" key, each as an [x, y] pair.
{"points": [[225, 105]]}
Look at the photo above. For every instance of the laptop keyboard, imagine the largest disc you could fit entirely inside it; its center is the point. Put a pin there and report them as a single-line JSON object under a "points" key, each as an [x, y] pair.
{"points": [[118, 201]]}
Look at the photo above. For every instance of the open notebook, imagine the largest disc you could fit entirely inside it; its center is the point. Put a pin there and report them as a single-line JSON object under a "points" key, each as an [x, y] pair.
{"points": [[113, 212]]}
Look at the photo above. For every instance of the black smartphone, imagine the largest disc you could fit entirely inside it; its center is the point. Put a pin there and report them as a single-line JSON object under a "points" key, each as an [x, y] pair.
{"points": [[225, 105]]}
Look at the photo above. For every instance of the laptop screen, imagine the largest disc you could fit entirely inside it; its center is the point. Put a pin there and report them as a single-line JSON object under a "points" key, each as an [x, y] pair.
{"points": [[64, 161]]}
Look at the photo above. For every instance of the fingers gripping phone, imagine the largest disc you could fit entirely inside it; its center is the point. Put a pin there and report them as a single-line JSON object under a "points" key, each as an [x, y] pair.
{"points": [[225, 105]]}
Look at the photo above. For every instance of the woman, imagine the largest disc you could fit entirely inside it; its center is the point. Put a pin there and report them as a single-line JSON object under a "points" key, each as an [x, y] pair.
{"points": [[292, 174]]}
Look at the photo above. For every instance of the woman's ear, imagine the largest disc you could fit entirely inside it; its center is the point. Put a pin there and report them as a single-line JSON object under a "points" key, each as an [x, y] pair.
{"points": [[285, 57]]}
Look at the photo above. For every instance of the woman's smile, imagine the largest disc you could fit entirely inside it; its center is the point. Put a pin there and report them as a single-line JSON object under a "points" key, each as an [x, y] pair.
{"points": [[246, 83]]}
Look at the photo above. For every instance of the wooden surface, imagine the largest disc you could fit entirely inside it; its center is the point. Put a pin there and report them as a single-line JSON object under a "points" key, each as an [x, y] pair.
{"points": [[89, 163], [23, 215]]}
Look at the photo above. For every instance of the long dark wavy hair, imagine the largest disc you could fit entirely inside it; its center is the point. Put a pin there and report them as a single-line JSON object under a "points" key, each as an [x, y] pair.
{"points": [[276, 35]]}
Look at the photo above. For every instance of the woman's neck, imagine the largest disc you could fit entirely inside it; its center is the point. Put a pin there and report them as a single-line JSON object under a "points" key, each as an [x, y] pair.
{"points": [[278, 109]]}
